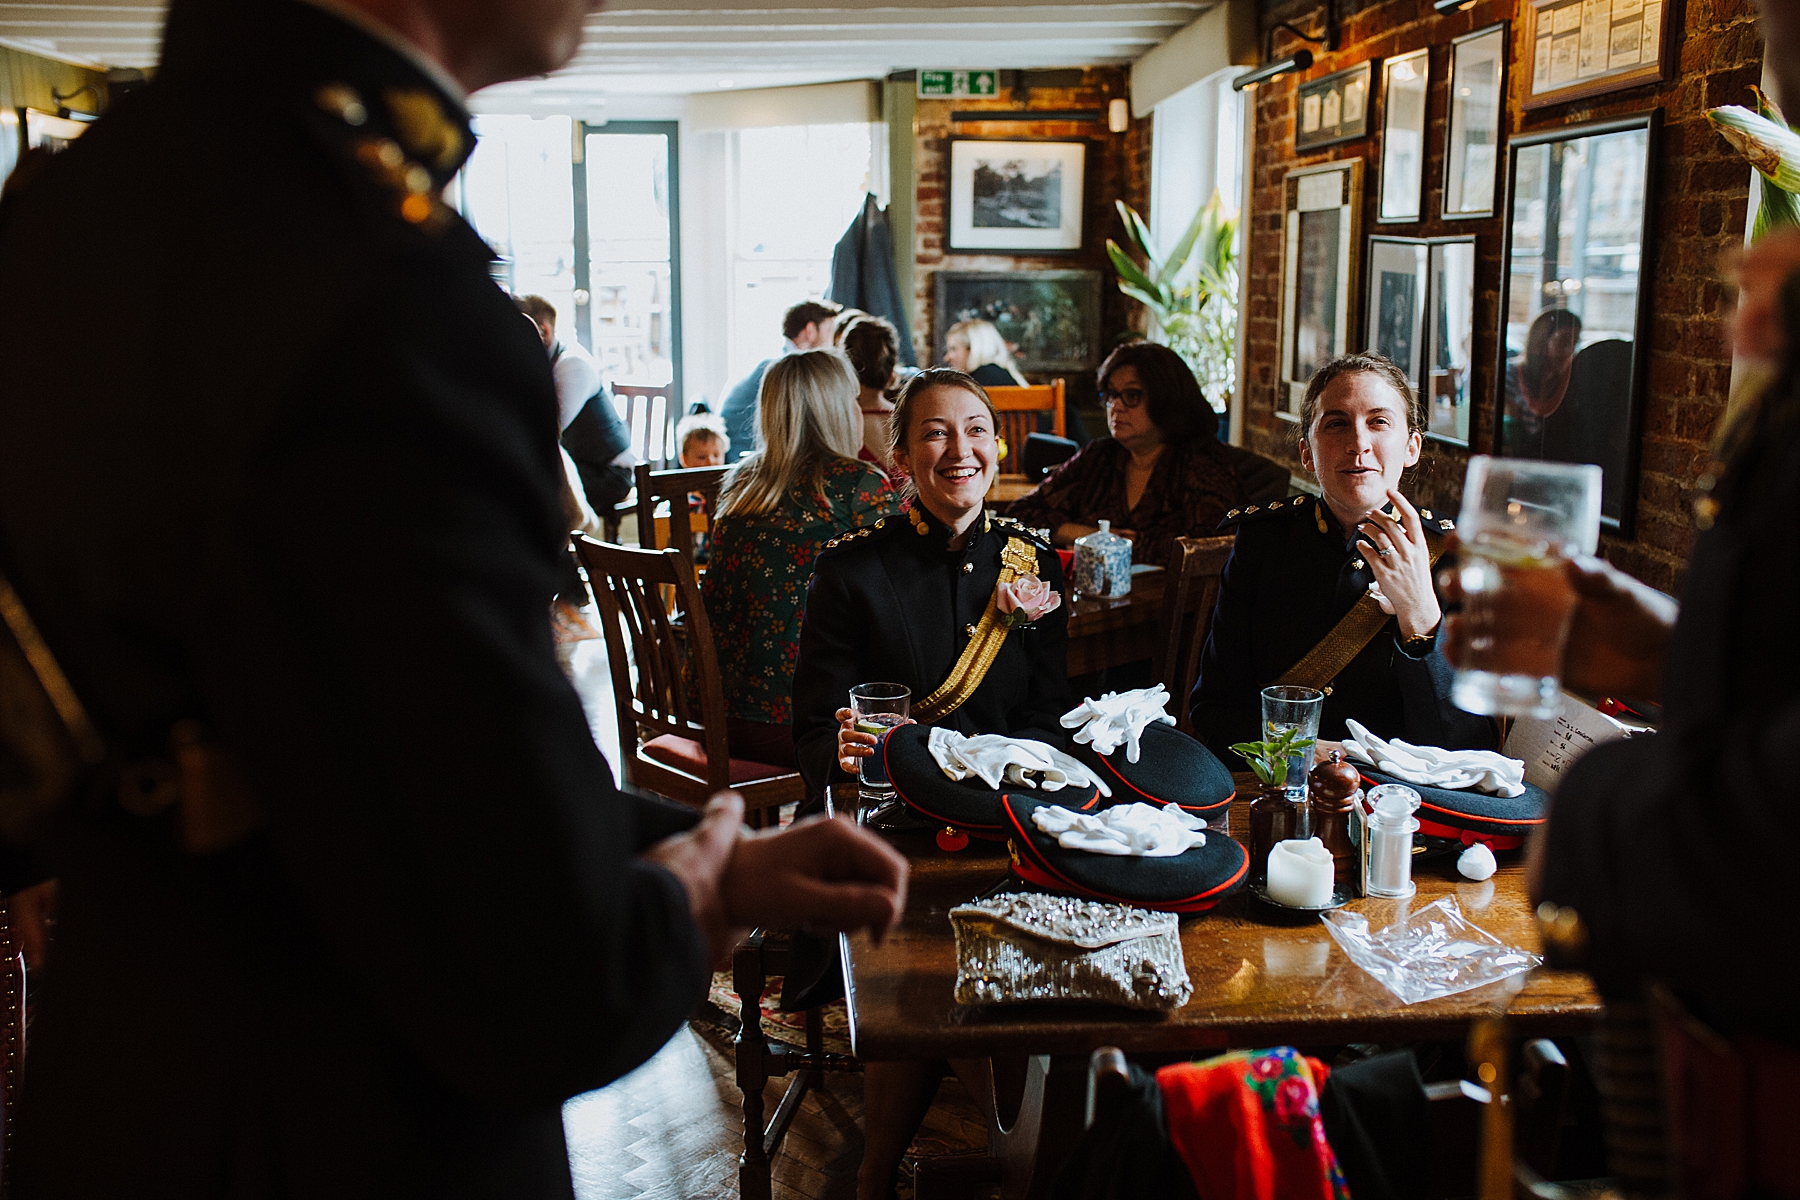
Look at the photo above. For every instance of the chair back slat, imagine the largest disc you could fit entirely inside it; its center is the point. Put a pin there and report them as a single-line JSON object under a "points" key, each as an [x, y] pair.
{"points": [[655, 488], [1019, 409], [1191, 591], [675, 665], [649, 414]]}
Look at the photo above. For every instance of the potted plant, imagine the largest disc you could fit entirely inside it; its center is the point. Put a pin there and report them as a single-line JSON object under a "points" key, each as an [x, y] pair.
{"points": [[1273, 816]]}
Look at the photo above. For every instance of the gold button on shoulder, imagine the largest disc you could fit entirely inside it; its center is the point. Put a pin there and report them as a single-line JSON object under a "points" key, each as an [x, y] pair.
{"points": [[968, 568], [1426, 513], [1232, 515], [880, 522], [1252, 509], [1357, 565], [969, 629]]}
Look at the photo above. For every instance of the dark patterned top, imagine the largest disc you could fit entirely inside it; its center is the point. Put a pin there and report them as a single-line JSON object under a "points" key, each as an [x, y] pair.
{"points": [[1191, 489], [755, 585]]}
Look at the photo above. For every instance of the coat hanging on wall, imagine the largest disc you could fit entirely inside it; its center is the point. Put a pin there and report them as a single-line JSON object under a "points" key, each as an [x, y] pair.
{"points": [[863, 276]]}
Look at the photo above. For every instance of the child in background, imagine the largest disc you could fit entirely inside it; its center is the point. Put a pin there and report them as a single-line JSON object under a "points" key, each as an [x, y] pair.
{"points": [[703, 442]]}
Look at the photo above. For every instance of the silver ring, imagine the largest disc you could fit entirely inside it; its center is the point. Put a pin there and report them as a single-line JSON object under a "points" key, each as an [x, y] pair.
{"points": [[1384, 553]]}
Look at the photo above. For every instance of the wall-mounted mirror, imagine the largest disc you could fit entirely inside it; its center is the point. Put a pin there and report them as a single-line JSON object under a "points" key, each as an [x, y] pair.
{"points": [[1472, 146], [1449, 338], [1572, 301], [1403, 92]]}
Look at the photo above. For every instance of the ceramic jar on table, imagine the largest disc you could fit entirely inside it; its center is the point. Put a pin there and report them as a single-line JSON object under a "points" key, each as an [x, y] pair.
{"points": [[1103, 564]]}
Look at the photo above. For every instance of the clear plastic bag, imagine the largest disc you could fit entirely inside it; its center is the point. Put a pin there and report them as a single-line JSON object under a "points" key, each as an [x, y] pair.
{"points": [[1434, 952]]}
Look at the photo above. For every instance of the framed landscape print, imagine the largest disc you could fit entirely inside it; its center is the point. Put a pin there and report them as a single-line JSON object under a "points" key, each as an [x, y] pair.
{"points": [[1321, 254], [1020, 197], [1333, 109], [1050, 318], [1449, 337], [1477, 106], [1394, 313], [1573, 301], [1403, 94], [1582, 48]]}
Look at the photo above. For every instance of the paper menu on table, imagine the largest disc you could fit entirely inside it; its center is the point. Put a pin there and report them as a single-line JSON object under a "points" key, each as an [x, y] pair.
{"points": [[1550, 745]]}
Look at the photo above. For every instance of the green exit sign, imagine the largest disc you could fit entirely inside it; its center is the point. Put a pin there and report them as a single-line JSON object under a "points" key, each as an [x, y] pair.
{"points": [[958, 85]]}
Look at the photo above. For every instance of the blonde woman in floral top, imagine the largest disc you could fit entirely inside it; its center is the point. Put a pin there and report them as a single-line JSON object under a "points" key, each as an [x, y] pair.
{"points": [[801, 487]]}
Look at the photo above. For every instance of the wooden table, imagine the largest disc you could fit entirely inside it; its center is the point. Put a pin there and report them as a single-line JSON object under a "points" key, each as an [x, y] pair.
{"points": [[1007, 488], [1111, 633], [1261, 977]]}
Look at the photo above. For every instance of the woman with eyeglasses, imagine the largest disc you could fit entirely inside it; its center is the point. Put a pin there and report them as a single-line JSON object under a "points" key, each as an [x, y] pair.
{"points": [[1163, 473]]}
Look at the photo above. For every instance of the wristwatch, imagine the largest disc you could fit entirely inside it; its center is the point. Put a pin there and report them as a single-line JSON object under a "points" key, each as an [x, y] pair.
{"points": [[1420, 646]]}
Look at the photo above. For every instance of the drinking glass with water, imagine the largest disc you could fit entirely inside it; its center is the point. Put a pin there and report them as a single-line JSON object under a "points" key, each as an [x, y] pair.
{"points": [[1521, 521], [876, 708], [1288, 709]]}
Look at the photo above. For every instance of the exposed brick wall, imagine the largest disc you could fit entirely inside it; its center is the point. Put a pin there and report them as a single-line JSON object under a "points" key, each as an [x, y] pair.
{"points": [[1700, 196], [1117, 166]]}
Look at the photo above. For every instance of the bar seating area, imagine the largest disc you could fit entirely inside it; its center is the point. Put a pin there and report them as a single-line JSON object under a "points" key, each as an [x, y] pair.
{"points": [[1159, 600]]}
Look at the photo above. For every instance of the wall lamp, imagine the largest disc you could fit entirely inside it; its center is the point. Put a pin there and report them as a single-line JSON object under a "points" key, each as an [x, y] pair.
{"points": [[63, 110], [1446, 7], [1299, 60]]}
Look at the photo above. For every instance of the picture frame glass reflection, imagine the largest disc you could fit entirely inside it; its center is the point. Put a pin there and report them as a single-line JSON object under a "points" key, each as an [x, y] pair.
{"points": [[1321, 260], [1395, 311], [1405, 86], [1449, 339], [1472, 150], [1572, 303]]}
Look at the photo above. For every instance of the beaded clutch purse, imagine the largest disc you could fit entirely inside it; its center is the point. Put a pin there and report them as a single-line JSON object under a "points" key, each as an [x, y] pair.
{"points": [[1021, 948]]}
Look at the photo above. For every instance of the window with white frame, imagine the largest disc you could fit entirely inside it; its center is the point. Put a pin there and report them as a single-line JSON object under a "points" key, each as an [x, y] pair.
{"points": [[795, 190]]}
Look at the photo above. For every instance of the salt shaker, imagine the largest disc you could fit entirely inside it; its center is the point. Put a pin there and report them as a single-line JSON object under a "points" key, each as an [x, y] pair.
{"points": [[1103, 563], [1390, 833]]}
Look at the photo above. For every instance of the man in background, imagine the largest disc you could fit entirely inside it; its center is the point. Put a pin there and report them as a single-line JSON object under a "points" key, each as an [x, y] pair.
{"points": [[354, 904], [808, 325], [593, 433]]}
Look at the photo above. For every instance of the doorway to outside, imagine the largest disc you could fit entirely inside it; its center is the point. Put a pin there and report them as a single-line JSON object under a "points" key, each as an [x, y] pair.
{"points": [[628, 250]]}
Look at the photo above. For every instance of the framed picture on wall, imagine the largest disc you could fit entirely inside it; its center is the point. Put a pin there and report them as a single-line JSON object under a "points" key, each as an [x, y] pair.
{"points": [[1018, 197], [1321, 254], [1581, 49], [1477, 105], [1449, 337], [1403, 94], [1572, 301], [1394, 311], [1333, 109], [1051, 319]]}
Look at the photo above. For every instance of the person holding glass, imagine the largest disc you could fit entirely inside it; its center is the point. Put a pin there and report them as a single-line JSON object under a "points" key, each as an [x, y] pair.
{"points": [[904, 600], [1300, 567], [1163, 473], [801, 487]]}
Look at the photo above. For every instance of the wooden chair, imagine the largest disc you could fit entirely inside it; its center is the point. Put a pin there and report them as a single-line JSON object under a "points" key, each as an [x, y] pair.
{"points": [[676, 529], [649, 414], [1190, 589], [1019, 409], [672, 717]]}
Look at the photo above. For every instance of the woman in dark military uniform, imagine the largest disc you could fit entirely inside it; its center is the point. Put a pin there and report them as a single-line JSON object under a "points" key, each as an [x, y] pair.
{"points": [[908, 600], [1301, 565], [902, 600]]}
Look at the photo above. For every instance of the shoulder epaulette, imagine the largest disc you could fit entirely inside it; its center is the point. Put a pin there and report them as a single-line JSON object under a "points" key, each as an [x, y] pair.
{"points": [[1256, 512], [878, 525], [419, 137], [1014, 526]]}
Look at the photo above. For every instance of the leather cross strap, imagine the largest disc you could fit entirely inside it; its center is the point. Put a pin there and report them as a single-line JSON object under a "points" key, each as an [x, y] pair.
{"points": [[1017, 558], [1354, 630]]}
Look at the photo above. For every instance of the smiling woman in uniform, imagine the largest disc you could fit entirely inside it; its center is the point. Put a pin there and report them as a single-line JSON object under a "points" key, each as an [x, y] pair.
{"points": [[1301, 566], [900, 601]]}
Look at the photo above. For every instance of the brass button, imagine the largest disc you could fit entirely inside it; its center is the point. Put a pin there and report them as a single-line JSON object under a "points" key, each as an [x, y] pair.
{"points": [[969, 629], [968, 567], [1358, 564]]}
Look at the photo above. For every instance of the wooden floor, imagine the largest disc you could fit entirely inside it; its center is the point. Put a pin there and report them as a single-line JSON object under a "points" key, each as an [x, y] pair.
{"points": [[672, 1130]]}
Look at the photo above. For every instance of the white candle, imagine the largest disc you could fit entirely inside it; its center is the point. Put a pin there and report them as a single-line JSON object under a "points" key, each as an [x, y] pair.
{"points": [[1300, 873]]}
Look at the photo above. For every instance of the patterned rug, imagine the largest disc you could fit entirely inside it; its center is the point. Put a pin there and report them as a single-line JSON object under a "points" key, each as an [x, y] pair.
{"points": [[726, 1010]]}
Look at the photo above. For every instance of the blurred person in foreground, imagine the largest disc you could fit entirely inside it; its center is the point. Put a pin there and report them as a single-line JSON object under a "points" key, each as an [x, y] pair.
{"points": [[1666, 857], [388, 909]]}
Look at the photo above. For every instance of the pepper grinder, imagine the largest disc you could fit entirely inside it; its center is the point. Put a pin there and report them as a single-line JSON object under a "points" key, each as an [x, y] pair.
{"points": [[1333, 791]]}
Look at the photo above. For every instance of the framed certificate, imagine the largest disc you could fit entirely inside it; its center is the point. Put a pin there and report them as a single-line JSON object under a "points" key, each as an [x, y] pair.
{"points": [[1582, 48], [1333, 109], [1477, 108]]}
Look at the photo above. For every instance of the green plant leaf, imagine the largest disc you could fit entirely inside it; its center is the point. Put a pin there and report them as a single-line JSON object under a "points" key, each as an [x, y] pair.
{"points": [[1776, 209], [1128, 271], [1767, 107], [1770, 147], [1171, 266], [1149, 301], [1140, 232]]}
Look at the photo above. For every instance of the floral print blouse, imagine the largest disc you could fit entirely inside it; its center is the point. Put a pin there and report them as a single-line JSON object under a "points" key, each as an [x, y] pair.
{"points": [[755, 585]]}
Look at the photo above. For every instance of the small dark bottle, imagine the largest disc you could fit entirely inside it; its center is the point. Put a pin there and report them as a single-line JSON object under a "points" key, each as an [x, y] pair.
{"points": [[1273, 818], [1333, 790]]}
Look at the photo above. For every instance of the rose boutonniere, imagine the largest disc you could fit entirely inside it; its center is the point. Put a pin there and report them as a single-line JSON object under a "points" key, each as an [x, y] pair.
{"points": [[1025, 599]]}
